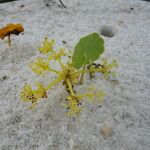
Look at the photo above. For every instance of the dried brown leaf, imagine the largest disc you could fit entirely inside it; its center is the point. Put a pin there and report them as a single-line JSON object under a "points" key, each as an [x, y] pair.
{"points": [[11, 29]]}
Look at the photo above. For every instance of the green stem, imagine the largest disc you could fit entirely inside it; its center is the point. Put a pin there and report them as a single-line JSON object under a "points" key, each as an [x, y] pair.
{"points": [[87, 71], [60, 63], [53, 70], [53, 83]]}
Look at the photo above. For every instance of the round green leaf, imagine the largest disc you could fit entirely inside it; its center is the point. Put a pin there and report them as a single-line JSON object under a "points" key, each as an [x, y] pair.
{"points": [[87, 50]]}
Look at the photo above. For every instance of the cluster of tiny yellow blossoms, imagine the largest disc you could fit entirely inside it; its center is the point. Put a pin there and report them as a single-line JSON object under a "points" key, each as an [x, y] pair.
{"points": [[67, 75], [106, 68], [56, 55], [47, 46], [40, 66], [33, 96]]}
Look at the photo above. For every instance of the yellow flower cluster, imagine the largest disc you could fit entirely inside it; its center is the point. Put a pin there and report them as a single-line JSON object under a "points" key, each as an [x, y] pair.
{"points": [[39, 66], [47, 46], [73, 105], [29, 95], [57, 55], [106, 67], [94, 95], [69, 72]]}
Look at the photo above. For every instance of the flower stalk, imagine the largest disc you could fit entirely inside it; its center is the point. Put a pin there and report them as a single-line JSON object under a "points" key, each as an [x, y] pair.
{"points": [[70, 87]]}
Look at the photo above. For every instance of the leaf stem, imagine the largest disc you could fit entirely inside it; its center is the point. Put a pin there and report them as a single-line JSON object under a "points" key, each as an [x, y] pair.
{"points": [[82, 75]]}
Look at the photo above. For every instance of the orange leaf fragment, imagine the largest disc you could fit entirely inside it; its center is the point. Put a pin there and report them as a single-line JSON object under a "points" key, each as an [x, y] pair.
{"points": [[11, 29]]}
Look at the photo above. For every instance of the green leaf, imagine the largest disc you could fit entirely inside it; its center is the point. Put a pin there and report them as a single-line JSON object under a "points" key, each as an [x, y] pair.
{"points": [[87, 50]]}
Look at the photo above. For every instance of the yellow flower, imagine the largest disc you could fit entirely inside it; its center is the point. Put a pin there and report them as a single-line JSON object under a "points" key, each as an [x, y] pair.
{"points": [[95, 95], [27, 94], [33, 96], [39, 66], [69, 72], [41, 91], [57, 55], [47, 46], [106, 67], [73, 105]]}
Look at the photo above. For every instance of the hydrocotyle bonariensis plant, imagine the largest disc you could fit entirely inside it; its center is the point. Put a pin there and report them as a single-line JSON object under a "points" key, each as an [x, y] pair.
{"points": [[68, 73]]}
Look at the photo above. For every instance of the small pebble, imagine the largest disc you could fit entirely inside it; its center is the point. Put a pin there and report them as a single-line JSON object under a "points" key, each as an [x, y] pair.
{"points": [[106, 131]]}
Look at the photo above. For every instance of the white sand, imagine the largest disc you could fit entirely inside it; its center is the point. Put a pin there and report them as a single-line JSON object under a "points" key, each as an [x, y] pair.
{"points": [[127, 106]]}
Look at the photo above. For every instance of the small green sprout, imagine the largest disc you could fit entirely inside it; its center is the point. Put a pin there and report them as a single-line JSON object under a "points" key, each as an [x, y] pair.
{"points": [[68, 73]]}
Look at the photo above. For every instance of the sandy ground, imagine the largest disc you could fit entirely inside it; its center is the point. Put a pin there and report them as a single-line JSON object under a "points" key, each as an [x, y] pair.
{"points": [[126, 108]]}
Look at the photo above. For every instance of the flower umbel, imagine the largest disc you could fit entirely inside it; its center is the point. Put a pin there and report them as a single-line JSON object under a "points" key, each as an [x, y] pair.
{"points": [[72, 105], [57, 55], [73, 102], [107, 68], [33, 96], [39, 66], [69, 72], [94, 95], [47, 46], [41, 91]]}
